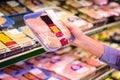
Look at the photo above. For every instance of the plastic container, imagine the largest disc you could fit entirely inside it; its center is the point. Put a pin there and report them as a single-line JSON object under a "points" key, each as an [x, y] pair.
{"points": [[50, 31]]}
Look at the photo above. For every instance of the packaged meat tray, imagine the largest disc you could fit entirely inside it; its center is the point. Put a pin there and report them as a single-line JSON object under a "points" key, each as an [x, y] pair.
{"points": [[19, 37], [12, 8], [4, 76], [35, 5], [3, 48], [49, 29], [76, 70], [76, 22]]}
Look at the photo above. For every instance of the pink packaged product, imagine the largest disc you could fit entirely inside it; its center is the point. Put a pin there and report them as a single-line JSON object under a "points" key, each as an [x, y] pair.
{"points": [[56, 63], [48, 28], [115, 7], [4, 76], [76, 70], [101, 2]]}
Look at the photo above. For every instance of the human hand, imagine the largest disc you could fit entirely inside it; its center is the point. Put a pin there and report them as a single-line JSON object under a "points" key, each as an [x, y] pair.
{"points": [[77, 33]]}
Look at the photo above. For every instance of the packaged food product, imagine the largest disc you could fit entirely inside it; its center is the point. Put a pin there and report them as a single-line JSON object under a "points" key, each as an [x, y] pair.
{"points": [[92, 62], [76, 70], [35, 5], [30, 76], [40, 60], [76, 21], [101, 2], [3, 48], [2, 20], [26, 30], [114, 9], [4, 76], [5, 21], [24, 65], [58, 76], [9, 71], [39, 73], [8, 41], [4, 12], [85, 2], [16, 6], [19, 37], [20, 77], [51, 32], [8, 8], [56, 63]]}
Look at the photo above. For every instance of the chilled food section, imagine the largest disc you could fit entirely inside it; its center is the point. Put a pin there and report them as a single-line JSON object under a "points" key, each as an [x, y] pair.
{"points": [[25, 47]]}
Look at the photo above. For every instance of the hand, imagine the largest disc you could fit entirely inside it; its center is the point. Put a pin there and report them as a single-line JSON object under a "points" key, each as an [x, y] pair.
{"points": [[77, 33]]}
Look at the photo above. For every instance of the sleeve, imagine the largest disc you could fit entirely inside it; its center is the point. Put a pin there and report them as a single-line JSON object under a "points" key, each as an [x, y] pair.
{"points": [[111, 56]]}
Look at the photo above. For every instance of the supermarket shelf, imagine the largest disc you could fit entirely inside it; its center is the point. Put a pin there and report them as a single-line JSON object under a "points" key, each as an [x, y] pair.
{"points": [[37, 51], [22, 56], [102, 76], [100, 70], [102, 28]]}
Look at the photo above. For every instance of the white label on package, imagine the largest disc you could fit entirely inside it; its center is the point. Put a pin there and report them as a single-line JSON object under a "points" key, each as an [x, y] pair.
{"points": [[52, 15], [3, 75], [35, 71], [13, 3]]}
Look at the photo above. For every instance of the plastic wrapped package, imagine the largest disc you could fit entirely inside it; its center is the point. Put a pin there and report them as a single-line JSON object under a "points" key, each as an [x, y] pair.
{"points": [[58, 76], [4, 76], [39, 60], [35, 5], [75, 21], [94, 12], [7, 9], [5, 21], [85, 2], [8, 41], [19, 37], [41, 74], [30, 76], [2, 20], [56, 63], [94, 15], [101, 2], [27, 31], [17, 6], [20, 77], [92, 61], [76, 70], [3, 48], [73, 4], [51, 32], [114, 6]]}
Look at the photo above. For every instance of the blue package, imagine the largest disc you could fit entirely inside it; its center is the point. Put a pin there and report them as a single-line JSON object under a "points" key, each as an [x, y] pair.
{"points": [[9, 22]]}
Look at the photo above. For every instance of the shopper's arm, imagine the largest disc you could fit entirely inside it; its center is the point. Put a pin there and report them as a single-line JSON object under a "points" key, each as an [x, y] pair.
{"points": [[106, 54], [85, 42], [111, 57]]}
